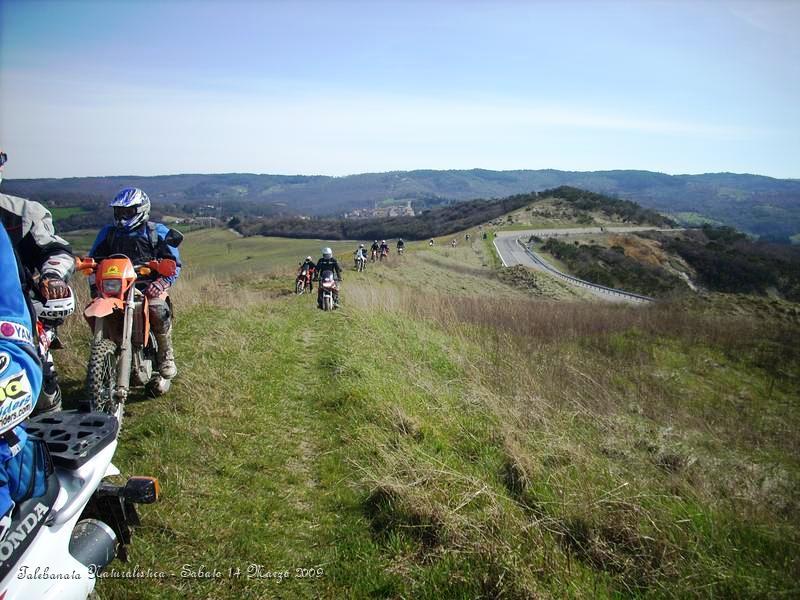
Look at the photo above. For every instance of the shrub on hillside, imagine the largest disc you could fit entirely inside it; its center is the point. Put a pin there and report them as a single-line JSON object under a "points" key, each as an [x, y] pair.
{"points": [[611, 268]]}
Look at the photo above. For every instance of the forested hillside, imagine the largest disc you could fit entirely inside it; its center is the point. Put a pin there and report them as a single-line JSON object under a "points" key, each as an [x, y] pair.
{"points": [[754, 204], [446, 220]]}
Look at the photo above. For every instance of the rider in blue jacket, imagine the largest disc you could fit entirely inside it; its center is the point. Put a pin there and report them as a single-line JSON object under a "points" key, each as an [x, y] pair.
{"points": [[22, 469], [141, 241]]}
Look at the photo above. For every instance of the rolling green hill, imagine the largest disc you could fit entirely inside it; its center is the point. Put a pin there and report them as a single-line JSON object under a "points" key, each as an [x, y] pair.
{"points": [[449, 434], [754, 204]]}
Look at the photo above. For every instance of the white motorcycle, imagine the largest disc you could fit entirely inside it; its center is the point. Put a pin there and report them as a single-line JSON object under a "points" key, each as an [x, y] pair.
{"points": [[56, 544]]}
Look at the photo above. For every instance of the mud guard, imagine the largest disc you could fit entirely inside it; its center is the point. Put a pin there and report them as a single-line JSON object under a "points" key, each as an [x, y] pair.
{"points": [[100, 307]]}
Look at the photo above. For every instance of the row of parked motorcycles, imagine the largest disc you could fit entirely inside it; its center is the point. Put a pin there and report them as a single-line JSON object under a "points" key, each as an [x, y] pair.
{"points": [[57, 544]]}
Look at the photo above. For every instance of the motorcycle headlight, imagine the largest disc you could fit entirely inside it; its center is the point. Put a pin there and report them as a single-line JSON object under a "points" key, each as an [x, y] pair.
{"points": [[112, 286]]}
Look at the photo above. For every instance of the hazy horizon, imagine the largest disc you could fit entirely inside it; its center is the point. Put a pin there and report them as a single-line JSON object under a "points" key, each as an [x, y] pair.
{"points": [[197, 173], [91, 88]]}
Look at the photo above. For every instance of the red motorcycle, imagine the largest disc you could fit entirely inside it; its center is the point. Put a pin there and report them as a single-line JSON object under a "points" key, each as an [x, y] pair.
{"points": [[303, 281], [328, 287], [384, 253]]}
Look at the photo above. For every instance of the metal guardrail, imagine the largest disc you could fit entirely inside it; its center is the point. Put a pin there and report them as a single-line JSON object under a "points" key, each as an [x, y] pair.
{"points": [[581, 282]]}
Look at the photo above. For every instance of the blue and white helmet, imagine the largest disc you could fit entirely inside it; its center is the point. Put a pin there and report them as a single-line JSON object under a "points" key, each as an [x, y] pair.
{"points": [[131, 208], [327, 252]]}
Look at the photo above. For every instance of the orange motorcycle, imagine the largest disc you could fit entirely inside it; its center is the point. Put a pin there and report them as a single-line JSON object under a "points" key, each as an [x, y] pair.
{"points": [[124, 350]]}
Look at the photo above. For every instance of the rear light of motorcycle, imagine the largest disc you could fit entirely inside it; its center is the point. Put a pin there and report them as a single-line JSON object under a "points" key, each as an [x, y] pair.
{"points": [[112, 286]]}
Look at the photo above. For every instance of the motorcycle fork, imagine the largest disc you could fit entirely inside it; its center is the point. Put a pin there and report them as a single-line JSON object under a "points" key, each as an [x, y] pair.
{"points": [[126, 348]]}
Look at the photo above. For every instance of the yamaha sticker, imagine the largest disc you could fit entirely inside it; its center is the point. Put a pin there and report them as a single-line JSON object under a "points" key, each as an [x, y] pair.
{"points": [[16, 400], [15, 332], [5, 360]]}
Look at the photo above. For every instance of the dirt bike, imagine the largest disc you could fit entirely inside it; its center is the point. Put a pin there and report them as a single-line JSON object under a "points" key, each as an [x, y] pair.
{"points": [[327, 286], [384, 253], [303, 281], [124, 349], [50, 314], [401, 250], [373, 256], [361, 263], [57, 543]]}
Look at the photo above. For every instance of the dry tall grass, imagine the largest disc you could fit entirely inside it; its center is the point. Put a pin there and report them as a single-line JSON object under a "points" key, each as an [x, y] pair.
{"points": [[610, 427]]}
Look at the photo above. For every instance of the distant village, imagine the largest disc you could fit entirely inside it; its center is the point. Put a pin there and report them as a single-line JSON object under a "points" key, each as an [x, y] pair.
{"points": [[393, 210]]}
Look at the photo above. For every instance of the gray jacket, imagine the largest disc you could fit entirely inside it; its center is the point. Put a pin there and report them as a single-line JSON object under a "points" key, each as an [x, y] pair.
{"points": [[30, 227]]}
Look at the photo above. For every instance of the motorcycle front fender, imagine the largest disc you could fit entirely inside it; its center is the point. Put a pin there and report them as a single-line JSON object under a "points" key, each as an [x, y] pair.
{"points": [[101, 307]]}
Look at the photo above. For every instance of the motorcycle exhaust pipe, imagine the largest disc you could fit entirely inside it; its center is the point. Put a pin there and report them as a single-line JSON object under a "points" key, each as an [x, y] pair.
{"points": [[93, 544]]}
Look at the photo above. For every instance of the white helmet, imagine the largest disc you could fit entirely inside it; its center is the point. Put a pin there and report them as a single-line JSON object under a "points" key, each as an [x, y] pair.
{"points": [[56, 308], [308, 258], [327, 252], [361, 245], [131, 208]]}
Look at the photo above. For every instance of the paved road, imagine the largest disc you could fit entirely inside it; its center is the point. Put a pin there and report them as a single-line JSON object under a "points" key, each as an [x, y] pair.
{"points": [[512, 253], [577, 231]]}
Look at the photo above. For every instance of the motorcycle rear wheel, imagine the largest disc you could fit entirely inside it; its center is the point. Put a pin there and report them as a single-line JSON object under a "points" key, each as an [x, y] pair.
{"points": [[101, 378]]}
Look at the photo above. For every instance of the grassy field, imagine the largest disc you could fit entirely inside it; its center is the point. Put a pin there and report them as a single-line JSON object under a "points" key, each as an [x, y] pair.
{"points": [[453, 433], [62, 212]]}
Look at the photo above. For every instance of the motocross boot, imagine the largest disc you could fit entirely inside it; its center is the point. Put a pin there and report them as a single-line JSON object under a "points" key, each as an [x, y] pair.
{"points": [[166, 355], [50, 396]]}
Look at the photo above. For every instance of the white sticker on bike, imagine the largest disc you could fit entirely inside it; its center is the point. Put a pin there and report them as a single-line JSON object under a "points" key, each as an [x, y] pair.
{"points": [[5, 360]]}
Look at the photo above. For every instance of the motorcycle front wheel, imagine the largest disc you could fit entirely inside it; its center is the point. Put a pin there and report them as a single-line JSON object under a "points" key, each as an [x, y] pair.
{"points": [[101, 378], [299, 286]]}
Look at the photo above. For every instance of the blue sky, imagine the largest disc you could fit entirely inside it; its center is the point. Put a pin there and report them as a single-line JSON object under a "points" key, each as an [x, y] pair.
{"points": [[145, 88]]}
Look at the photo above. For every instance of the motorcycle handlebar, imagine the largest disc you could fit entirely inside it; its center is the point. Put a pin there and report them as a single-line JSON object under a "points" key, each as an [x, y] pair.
{"points": [[163, 266]]}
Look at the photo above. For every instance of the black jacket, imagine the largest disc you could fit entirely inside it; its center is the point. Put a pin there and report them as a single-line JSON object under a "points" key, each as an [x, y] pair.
{"points": [[328, 264]]}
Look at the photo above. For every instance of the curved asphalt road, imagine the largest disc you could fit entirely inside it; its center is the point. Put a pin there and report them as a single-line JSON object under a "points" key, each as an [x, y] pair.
{"points": [[511, 253]]}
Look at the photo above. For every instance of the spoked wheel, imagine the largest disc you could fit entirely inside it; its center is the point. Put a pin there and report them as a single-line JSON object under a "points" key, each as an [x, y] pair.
{"points": [[327, 302], [101, 378], [300, 286]]}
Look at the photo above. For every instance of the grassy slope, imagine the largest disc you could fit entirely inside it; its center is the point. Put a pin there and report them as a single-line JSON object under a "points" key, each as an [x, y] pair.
{"points": [[419, 445]]}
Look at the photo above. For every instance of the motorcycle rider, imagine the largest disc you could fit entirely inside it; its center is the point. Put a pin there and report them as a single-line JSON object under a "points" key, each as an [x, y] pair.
{"points": [[401, 245], [29, 226], [384, 247], [24, 465], [361, 252], [328, 263], [141, 241], [374, 249], [308, 263]]}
